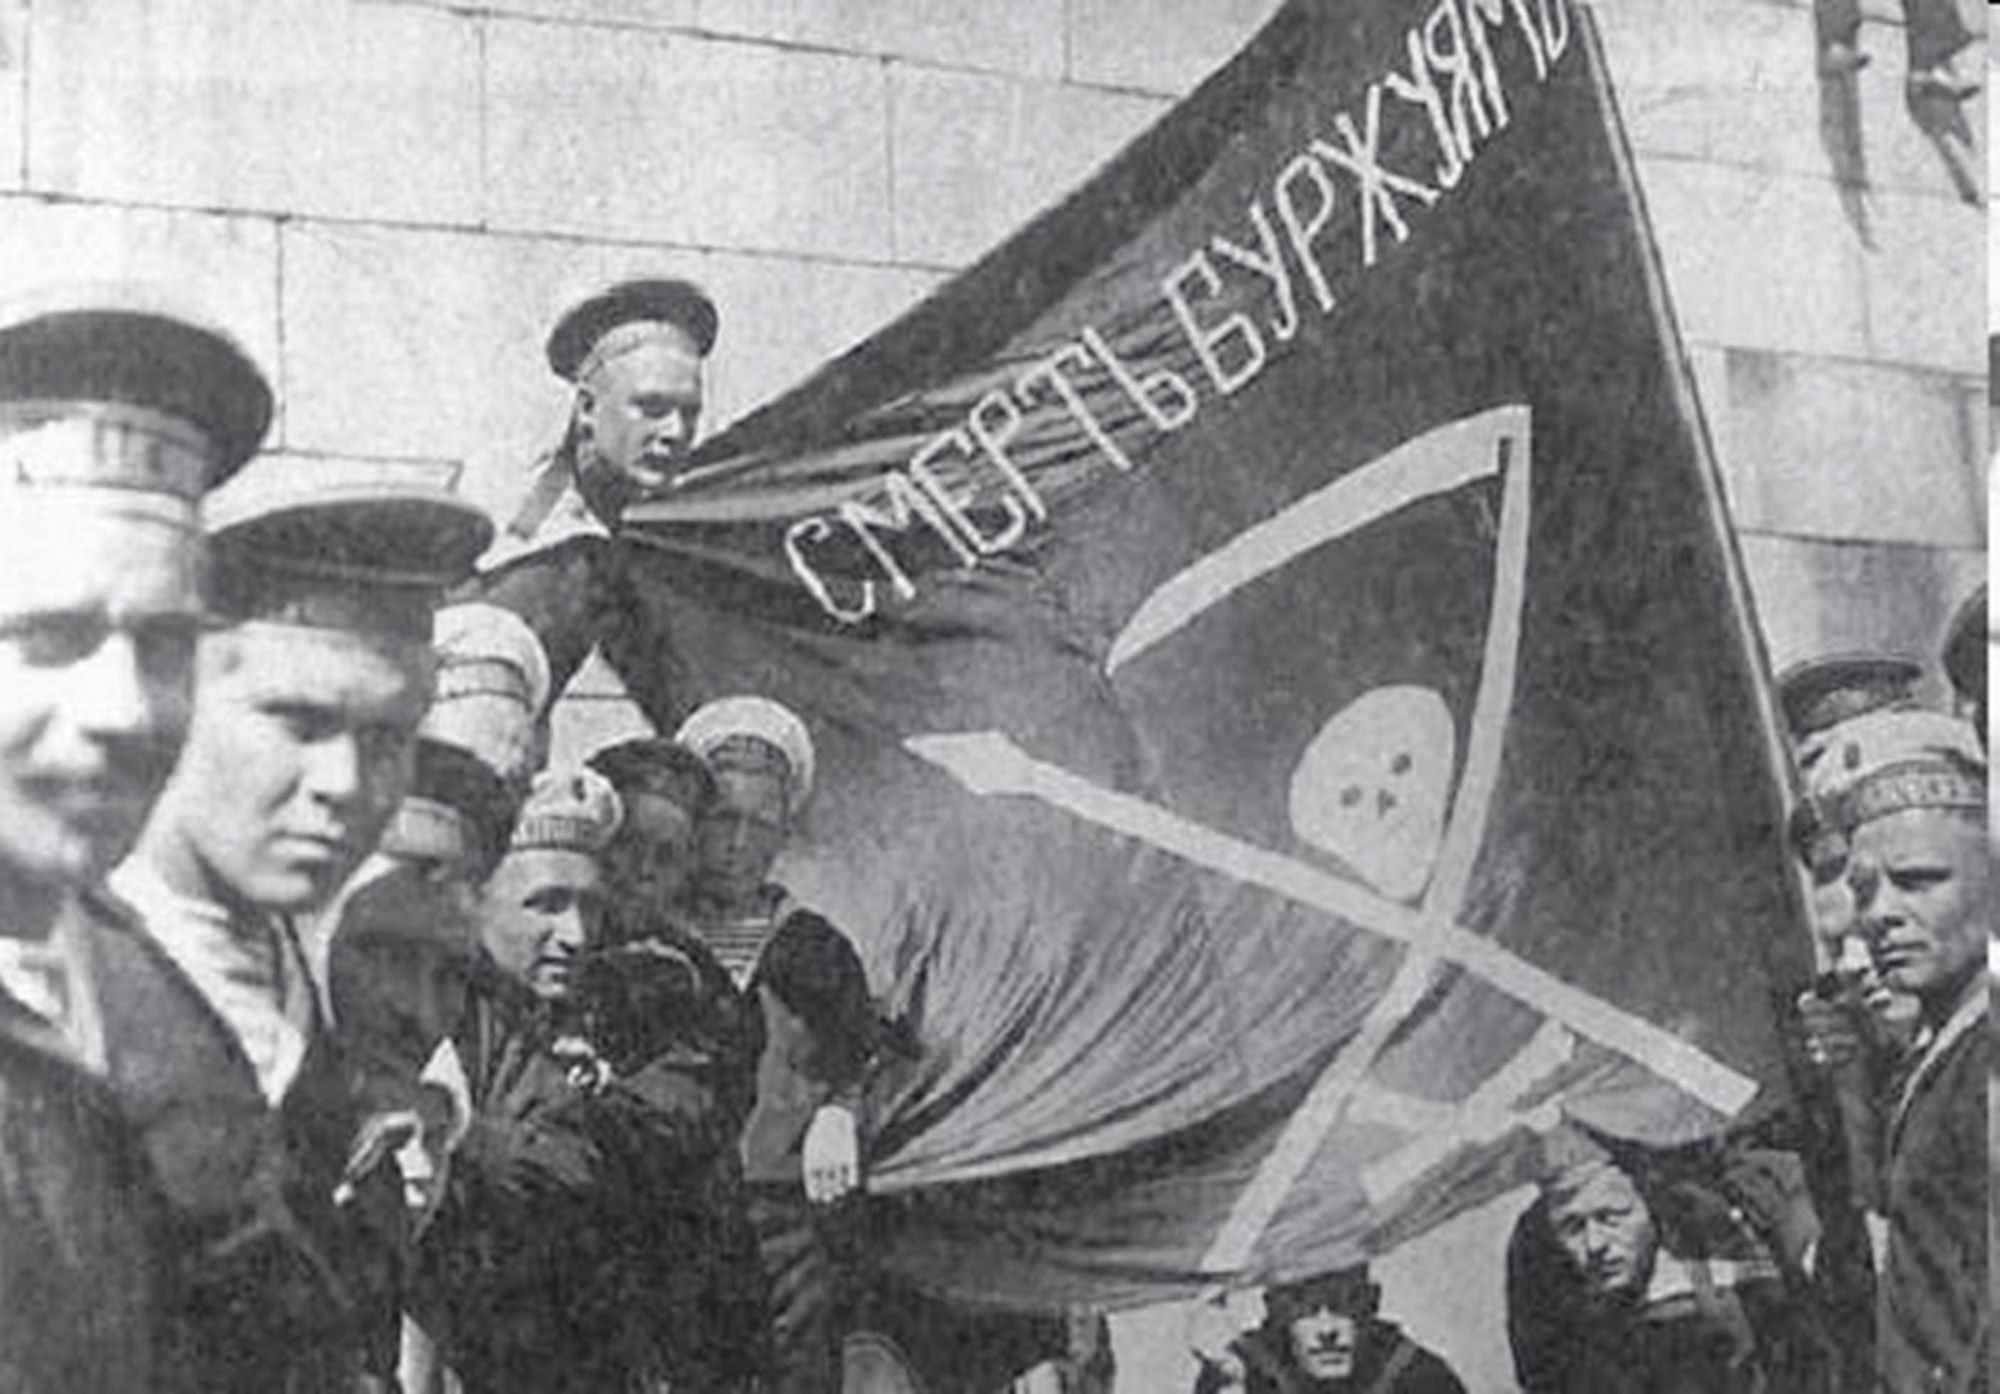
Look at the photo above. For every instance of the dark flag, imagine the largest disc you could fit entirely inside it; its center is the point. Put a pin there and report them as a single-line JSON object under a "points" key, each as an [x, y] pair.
{"points": [[1290, 730]]}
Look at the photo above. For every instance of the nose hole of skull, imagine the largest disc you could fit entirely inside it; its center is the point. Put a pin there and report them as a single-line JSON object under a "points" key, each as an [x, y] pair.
{"points": [[1350, 796], [1384, 801]]}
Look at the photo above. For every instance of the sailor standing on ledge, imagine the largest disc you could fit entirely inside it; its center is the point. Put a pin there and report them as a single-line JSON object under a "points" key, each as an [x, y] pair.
{"points": [[634, 354]]}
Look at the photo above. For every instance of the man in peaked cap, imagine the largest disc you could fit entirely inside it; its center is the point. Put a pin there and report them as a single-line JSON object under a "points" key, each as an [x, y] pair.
{"points": [[311, 686], [1967, 644], [633, 354], [116, 416], [1818, 694], [1322, 1335]]}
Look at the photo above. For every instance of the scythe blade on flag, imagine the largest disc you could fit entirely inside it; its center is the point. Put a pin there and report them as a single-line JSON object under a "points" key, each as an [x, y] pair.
{"points": [[1434, 858]]}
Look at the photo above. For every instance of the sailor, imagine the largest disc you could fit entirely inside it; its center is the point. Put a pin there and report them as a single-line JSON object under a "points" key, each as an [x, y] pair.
{"points": [[311, 687], [1639, 1272], [820, 1032], [685, 1040], [1854, 1025], [1818, 694], [1967, 644], [401, 933], [634, 355], [116, 415], [1902, 804], [1322, 1335], [531, 1276]]}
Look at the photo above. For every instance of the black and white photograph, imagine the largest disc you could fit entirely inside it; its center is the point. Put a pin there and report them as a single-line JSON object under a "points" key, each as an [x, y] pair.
{"points": [[995, 697]]}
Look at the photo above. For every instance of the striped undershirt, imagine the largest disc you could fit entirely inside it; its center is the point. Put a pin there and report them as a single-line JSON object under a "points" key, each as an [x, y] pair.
{"points": [[738, 944]]}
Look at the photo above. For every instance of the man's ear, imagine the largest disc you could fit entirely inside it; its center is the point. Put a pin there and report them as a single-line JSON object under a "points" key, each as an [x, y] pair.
{"points": [[583, 418]]}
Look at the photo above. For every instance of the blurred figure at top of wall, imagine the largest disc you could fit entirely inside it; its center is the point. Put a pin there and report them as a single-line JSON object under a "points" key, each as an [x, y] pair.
{"points": [[1934, 35]]}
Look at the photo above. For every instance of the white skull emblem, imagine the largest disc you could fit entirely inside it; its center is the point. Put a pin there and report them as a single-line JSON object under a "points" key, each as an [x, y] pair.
{"points": [[1374, 786]]}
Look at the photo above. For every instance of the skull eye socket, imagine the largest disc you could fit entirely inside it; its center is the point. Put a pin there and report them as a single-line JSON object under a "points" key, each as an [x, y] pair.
{"points": [[1373, 786]]}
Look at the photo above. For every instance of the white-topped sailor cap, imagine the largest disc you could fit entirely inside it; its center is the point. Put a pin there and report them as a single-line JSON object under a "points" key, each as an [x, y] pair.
{"points": [[568, 811], [623, 316], [714, 725], [355, 546], [1883, 763], [117, 408], [491, 690]]}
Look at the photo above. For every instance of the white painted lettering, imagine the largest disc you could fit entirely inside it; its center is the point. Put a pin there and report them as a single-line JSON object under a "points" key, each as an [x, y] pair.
{"points": [[994, 422], [1199, 271], [1446, 47], [1164, 395], [1555, 27], [957, 504], [1268, 262], [1050, 370], [1485, 15], [1420, 86], [817, 529], [1300, 230], [905, 506], [1360, 156]]}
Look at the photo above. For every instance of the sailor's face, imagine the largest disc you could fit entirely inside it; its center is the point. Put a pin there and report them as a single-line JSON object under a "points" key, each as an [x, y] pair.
{"points": [[639, 412], [1323, 1343], [1922, 885], [404, 943], [742, 834], [542, 909], [97, 643], [649, 865], [1607, 1233], [300, 750]]}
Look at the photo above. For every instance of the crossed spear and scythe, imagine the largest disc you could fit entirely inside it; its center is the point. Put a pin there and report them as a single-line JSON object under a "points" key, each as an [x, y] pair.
{"points": [[990, 764]]}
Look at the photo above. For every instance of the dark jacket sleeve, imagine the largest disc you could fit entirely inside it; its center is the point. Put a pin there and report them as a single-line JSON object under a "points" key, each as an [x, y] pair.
{"points": [[813, 969], [562, 593], [1429, 1375], [1543, 1306]]}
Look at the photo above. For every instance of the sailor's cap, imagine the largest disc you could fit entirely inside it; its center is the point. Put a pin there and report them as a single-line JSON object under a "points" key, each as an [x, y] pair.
{"points": [[578, 340], [1822, 692], [114, 387], [341, 544]]}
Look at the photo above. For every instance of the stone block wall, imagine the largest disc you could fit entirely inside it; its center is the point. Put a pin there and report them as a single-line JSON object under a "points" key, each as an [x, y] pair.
{"points": [[390, 199]]}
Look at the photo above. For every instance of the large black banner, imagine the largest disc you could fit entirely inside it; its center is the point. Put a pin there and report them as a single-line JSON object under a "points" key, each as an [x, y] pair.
{"points": [[1287, 722]]}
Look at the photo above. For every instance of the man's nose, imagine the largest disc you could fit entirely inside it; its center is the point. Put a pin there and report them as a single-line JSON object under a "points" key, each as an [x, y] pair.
{"points": [[569, 935], [1852, 956], [114, 701], [333, 769], [1878, 915]]}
